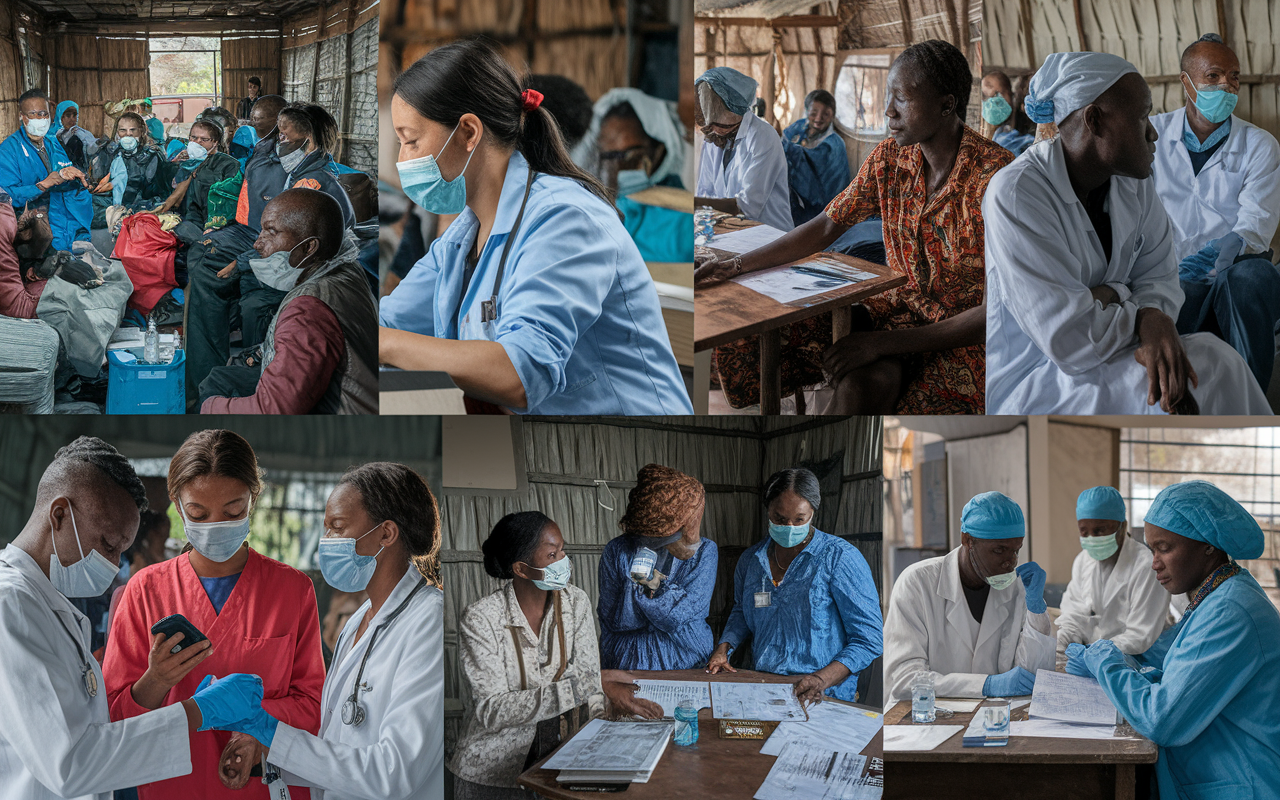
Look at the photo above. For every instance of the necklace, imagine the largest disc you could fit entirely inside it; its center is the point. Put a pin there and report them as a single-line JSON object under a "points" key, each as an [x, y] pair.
{"points": [[1215, 579]]}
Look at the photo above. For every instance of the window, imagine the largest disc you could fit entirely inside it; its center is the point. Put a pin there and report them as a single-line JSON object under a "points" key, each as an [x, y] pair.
{"points": [[860, 87], [186, 65]]}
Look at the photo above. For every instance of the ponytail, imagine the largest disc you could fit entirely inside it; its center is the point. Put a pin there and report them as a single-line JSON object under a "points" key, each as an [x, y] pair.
{"points": [[471, 77]]}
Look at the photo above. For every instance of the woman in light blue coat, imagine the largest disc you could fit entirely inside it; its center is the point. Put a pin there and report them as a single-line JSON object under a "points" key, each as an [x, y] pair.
{"points": [[535, 299]]}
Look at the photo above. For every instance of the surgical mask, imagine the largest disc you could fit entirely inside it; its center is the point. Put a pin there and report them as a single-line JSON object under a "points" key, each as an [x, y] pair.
{"points": [[421, 180], [997, 582], [788, 535], [290, 156], [633, 180], [1215, 103], [1100, 547], [37, 127], [88, 577], [128, 143], [342, 567], [216, 541], [996, 110], [555, 576], [196, 152], [276, 271]]}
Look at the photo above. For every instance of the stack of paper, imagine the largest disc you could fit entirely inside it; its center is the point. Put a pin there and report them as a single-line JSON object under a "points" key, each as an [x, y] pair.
{"points": [[612, 752], [976, 734], [668, 694], [758, 701], [1067, 707], [804, 773], [917, 737], [828, 722]]}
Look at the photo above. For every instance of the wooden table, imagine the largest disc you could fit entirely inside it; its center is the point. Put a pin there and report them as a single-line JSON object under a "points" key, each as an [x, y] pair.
{"points": [[712, 769], [1029, 766], [728, 312]]}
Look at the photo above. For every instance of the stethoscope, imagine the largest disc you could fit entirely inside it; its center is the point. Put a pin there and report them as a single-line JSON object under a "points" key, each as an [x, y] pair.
{"points": [[352, 711], [489, 308], [90, 677]]}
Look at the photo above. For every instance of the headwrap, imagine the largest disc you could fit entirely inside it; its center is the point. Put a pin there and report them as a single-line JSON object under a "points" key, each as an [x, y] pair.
{"points": [[661, 502], [660, 121], [57, 115], [1101, 502], [735, 90], [1201, 511], [992, 515], [1068, 81]]}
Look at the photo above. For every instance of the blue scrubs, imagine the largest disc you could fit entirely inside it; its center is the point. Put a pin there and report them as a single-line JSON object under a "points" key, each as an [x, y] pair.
{"points": [[577, 315], [21, 168], [816, 175], [662, 234], [1213, 703], [825, 610], [1013, 141], [666, 631]]}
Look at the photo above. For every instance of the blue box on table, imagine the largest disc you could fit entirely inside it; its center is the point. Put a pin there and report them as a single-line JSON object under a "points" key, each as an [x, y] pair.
{"points": [[134, 388]]}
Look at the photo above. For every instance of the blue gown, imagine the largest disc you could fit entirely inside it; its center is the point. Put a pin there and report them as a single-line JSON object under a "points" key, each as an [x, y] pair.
{"points": [[666, 631], [825, 610], [661, 234], [21, 168], [815, 175], [1212, 701], [1013, 141]]}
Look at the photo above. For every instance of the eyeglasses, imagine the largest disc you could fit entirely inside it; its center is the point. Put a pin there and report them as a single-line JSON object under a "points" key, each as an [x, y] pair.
{"points": [[37, 114], [638, 151]]}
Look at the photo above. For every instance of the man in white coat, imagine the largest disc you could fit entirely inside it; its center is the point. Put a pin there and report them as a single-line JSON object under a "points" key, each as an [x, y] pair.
{"points": [[1082, 283], [743, 168], [1219, 179], [1113, 593], [973, 618], [56, 737]]}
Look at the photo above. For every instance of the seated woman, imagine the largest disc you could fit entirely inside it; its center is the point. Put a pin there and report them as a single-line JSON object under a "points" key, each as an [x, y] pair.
{"points": [[920, 348], [207, 162], [530, 658], [131, 172], [658, 620], [261, 615], [81, 146], [382, 536], [805, 599], [640, 143], [535, 299], [817, 163]]}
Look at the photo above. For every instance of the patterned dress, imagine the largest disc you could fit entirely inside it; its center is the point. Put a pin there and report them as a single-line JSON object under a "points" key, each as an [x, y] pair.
{"points": [[937, 243]]}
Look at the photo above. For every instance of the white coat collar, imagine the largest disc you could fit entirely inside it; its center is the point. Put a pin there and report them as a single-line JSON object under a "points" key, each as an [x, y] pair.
{"points": [[995, 613], [1232, 148], [1124, 207], [27, 567]]}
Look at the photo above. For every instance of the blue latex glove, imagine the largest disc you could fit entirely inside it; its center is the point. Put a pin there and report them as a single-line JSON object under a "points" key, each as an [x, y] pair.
{"points": [[261, 726], [1075, 661], [1101, 653], [1197, 267], [1013, 683], [1033, 578], [225, 704]]}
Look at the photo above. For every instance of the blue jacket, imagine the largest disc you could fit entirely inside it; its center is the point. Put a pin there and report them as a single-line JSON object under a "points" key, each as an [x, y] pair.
{"points": [[816, 175], [21, 168], [826, 609]]}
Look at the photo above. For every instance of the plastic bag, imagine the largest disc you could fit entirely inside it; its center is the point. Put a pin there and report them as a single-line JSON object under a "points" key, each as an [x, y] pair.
{"points": [[147, 254]]}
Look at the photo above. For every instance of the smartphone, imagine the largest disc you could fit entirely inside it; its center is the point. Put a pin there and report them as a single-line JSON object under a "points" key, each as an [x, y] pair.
{"points": [[176, 623]]}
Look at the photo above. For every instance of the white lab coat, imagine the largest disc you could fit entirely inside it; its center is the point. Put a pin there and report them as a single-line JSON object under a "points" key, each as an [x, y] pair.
{"points": [[1238, 189], [55, 740], [1124, 603], [757, 174], [1052, 348], [398, 752], [930, 628]]}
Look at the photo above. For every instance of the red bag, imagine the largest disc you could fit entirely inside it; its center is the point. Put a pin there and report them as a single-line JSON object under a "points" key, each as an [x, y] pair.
{"points": [[147, 253]]}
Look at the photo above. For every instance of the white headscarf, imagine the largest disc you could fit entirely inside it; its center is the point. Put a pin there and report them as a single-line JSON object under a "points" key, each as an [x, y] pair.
{"points": [[1069, 81]]}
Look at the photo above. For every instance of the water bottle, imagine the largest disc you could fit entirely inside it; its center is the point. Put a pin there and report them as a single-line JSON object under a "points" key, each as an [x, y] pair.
{"points": [[151, 344], [643, 563], [686, 723], [923, 708], [177, 341]]}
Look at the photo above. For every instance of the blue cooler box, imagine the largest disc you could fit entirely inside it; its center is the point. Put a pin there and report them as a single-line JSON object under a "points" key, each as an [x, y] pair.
{"points": [[134, 388]]}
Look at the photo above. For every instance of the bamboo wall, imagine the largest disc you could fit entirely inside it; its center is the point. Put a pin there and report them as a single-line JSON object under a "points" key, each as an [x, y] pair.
{"points": [[92, 70], [732, 456], [1150, 33], [11, 83], [246, 57]]}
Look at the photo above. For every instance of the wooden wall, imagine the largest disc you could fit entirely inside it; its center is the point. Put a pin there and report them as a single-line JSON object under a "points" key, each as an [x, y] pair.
{"points": [[246, 57], [93, 70], [11, 82]]}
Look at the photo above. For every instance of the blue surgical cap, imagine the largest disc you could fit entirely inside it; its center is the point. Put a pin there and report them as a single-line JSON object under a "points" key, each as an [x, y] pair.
{"points": [[736, 90], [992, 515], [1068, 81], [1201, 511], [1101, 502]]}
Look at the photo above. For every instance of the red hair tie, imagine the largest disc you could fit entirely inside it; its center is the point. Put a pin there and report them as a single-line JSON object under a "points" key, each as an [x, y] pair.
{"points": [[532, 98]]}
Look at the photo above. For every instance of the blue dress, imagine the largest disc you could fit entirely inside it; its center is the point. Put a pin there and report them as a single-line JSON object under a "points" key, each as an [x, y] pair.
{"points": [[666, 631], [69, 203], [816, 175], [825, 610], [1212, 701]]}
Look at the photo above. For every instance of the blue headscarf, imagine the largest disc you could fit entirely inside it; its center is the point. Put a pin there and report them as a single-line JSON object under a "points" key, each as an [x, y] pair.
{"points": [[736, 90], [1101, 502], [57, 115], [992, 515], [1201, 511]]}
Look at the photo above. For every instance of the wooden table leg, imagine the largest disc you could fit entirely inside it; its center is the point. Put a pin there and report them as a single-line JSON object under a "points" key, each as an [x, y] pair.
{"points": [[1126, 782], [841, 322], [771, 372], [702, 382]]}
